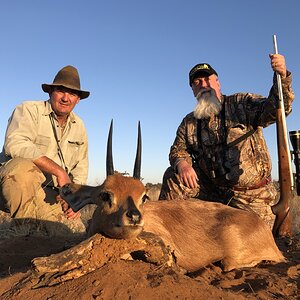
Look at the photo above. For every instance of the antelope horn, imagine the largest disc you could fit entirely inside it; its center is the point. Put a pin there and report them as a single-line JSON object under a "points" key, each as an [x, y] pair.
{"points": [[109, 159], [138, 157]]}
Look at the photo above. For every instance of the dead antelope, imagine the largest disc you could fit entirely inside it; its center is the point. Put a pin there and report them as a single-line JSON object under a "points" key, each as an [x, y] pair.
{"points": [[198, 232]]}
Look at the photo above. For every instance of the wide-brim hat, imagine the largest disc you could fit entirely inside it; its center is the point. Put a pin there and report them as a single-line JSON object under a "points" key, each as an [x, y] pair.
{"points": [[67, 77], [199, 69]]}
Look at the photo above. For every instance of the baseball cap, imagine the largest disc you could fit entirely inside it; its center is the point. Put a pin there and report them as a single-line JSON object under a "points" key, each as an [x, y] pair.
{"points": [[203, 68]]}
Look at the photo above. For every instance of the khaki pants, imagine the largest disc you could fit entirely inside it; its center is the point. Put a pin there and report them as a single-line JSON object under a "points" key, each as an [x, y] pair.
{"points": [[22, 195], [258, 200]]}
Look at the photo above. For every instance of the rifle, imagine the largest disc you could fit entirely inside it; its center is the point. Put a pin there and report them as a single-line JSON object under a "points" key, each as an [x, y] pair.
{"points": [[283, 224]]}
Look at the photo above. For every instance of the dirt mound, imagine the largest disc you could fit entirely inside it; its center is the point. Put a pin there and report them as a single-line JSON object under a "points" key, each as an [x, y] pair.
{"points": [[138, 279]]}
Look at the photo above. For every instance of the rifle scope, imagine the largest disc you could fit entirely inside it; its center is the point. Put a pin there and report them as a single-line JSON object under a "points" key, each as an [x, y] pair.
{"points": [[295, 140]]}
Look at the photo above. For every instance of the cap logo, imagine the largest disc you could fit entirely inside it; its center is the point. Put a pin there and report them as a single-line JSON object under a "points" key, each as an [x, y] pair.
{"points": [[198, 68], [205, 66], [201, 67]]}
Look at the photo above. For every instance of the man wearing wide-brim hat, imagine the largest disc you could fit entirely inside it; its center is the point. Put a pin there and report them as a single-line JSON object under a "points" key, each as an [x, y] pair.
{"points": [[45, 148]]}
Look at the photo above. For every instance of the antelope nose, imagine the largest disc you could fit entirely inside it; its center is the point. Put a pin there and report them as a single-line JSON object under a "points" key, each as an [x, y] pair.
{"points": [[134, 215]]}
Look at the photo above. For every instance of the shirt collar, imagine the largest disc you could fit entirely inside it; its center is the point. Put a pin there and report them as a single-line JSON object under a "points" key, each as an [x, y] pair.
{"points": [[48, 110]]}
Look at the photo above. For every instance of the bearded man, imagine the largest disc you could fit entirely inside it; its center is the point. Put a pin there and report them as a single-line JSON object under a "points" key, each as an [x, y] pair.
{"points": [[219, 153]]}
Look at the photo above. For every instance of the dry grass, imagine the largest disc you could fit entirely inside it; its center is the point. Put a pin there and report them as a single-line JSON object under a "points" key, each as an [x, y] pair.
{"points": [[9, 228]]}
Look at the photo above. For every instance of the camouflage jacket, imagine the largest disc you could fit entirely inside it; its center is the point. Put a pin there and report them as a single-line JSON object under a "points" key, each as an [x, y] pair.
{"points": [[205, 144]]}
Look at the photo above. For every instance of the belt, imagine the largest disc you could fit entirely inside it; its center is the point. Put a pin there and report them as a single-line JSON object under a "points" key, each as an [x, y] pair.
{"points": [[258, 185]]}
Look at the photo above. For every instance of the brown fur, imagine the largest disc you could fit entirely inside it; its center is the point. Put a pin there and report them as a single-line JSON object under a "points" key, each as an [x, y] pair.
{"points": [[199, 232]]}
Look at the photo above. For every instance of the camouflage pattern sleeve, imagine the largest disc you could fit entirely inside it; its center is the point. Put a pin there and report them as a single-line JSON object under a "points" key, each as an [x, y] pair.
{"points": [[259, 111], [288, 94], [268, 115], [185, 136]]}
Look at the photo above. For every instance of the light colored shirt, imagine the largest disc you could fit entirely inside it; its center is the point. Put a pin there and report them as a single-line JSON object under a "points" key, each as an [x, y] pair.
{"points": [[30, 135]]}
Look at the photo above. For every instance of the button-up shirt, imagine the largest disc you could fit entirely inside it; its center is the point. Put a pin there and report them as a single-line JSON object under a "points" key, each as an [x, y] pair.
{"points": [[30, 135]]}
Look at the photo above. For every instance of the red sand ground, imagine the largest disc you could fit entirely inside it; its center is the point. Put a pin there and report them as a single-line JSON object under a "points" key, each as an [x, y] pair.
{"points": [[140, 280]]}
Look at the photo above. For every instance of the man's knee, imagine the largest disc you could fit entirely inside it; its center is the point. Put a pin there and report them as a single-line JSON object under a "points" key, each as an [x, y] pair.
{"points": [[21, 170], [174, 188], [169, 173], [165, 189], [20, 183]]}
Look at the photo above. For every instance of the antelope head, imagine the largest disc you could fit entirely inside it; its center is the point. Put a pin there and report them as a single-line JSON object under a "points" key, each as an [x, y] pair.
{"points": [[119, 199]]}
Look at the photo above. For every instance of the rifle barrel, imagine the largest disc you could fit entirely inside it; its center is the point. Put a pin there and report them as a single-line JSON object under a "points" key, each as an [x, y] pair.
{"points": [[283, 119]]}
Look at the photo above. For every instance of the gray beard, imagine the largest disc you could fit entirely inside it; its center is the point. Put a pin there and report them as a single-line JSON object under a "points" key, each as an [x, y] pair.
{"points": [[208, 104]]}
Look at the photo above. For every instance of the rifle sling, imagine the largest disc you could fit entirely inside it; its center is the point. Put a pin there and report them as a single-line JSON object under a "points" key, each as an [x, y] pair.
{"points": [[241, 138], [60, 154]]}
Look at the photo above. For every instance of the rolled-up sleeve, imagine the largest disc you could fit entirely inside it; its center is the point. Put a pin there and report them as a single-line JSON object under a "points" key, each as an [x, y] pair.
{"points": [[21, 133]]}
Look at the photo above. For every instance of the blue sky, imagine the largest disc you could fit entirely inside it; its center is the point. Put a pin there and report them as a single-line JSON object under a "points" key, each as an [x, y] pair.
{"points": [[134, 57]]}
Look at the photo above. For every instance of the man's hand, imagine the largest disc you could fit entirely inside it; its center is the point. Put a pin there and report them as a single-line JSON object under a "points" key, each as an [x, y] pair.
{"points": [[187, 174], [278, 64], [47, 165], [63, 178], [68, 211]]}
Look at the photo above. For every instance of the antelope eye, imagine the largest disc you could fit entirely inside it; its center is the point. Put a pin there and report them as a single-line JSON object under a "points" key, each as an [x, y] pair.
{"points": [[106, 197]]}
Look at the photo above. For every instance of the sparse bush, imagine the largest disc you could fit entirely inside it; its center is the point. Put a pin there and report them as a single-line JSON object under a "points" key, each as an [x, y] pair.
{"points": [[153, 190]]}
